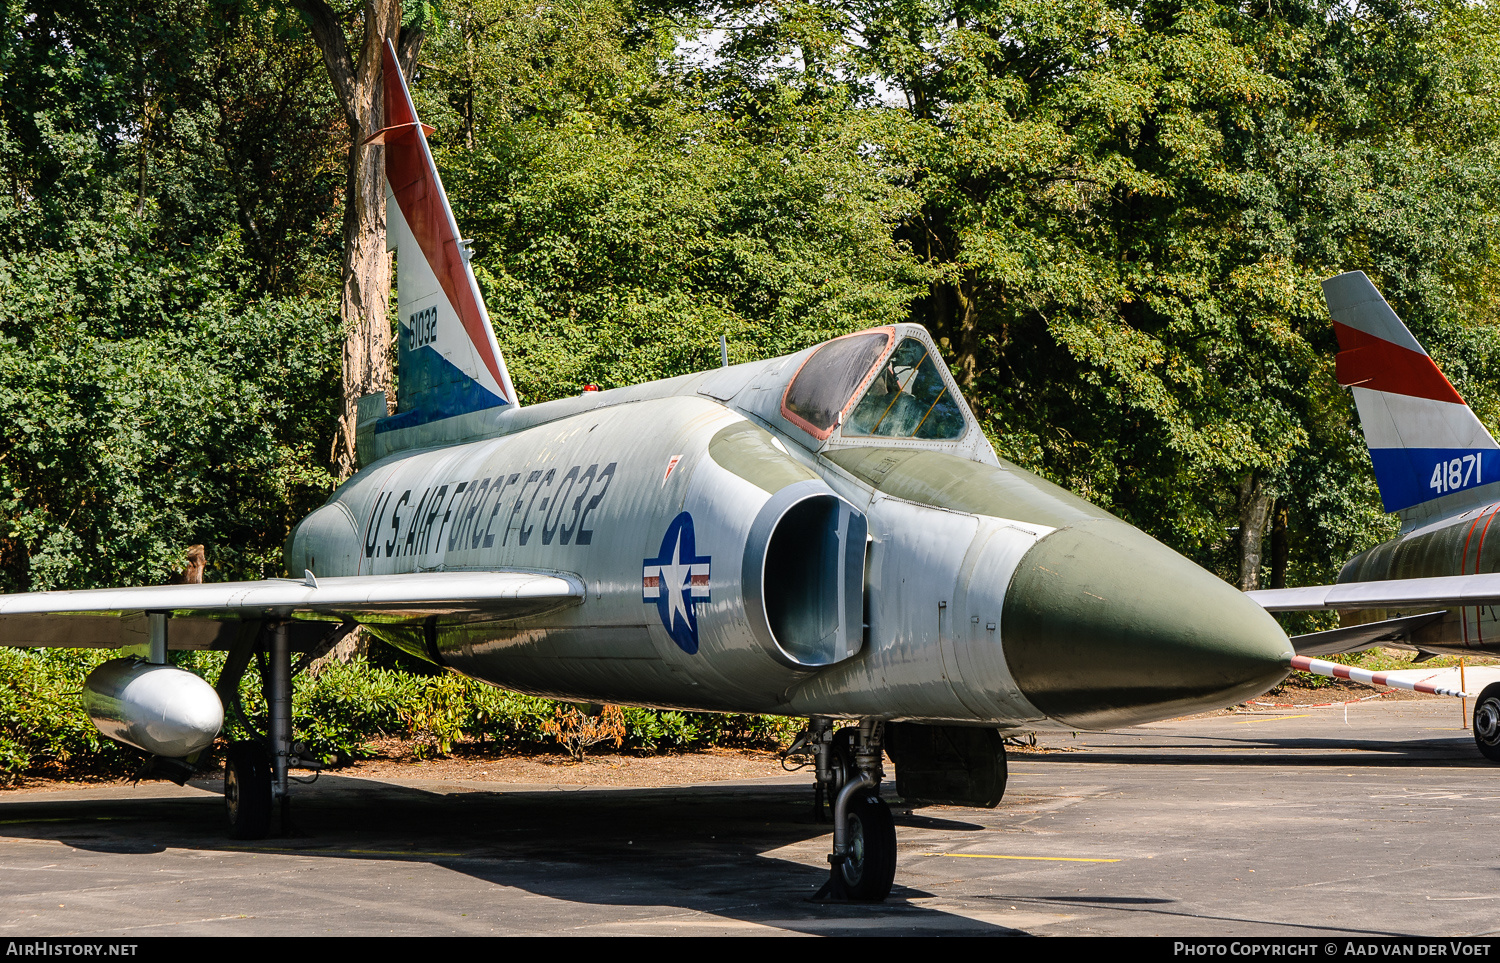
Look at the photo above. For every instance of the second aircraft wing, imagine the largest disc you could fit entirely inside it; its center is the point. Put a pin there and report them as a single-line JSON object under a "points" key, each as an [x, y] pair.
{"points": [[1397, 593], [1449, 591]]}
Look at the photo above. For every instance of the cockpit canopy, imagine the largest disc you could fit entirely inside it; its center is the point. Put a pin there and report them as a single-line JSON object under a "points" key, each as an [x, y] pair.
{"points": [[902, 387], [907, 399]]}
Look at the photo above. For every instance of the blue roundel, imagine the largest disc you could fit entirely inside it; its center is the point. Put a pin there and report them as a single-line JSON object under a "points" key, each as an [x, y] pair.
{"points": [[677, 580]]}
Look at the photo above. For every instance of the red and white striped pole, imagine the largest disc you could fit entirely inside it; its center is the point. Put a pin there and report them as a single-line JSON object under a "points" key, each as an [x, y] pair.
{"points": [[1365, 676]]}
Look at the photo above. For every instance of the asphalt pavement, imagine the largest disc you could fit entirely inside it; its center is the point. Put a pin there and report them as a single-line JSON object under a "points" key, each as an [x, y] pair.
{"points": [[1381, 819]]}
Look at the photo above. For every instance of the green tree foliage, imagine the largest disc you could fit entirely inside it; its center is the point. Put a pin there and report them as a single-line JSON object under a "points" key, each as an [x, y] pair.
{"points": [[41, 721], [1128, 207], [166, 332], [152, 409], [627, 212]]}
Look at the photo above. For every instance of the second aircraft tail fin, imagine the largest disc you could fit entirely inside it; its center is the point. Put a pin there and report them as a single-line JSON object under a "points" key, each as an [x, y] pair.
{"points": [[1424, 441]]}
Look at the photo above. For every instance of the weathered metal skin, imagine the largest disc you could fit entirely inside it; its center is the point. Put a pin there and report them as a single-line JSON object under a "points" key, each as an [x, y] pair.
{"points": [[586, 494], [1056, 614], [1461, 545], [941, 548]]}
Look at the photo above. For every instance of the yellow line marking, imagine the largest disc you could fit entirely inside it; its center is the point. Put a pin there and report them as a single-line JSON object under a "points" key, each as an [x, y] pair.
{"points": [[338, 852], [1046, 859], [1277, 719], [68, 819], [22, 822]]}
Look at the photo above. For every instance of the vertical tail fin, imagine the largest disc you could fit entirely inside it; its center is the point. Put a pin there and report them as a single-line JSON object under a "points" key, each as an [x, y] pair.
{"points": [[448, 361], [1424, 441]]}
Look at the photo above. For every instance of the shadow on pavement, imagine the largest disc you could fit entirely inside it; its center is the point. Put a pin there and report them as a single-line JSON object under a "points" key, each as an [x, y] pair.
{"points": [[704, 848], [1220, 750]]}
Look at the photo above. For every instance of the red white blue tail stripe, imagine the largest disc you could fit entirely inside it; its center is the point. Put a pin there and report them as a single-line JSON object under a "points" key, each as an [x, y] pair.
{"points": [[448, 360], [1424, 441]]}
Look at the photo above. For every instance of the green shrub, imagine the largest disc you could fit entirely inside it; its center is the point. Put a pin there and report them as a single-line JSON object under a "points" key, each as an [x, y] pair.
{"points": [[506, 718], [336, 714], [42, 722], [339, 711], [655, 729]]}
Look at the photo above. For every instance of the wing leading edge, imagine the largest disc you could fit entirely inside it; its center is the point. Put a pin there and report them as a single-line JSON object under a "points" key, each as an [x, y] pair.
{"points": [[1448, 591], [111, 617], [1441, 593]]}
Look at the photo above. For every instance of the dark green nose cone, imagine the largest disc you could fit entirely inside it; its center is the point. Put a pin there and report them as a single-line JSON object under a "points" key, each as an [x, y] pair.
{"points": [[1104, 626]]}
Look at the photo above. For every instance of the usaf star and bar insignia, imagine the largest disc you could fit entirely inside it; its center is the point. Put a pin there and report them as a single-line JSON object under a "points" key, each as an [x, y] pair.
{"points": [[676, 580]]}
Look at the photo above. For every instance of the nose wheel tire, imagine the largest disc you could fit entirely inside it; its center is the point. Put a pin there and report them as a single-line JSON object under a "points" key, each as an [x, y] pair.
{"points": [[1487, 722], [869, 868], [247, 790]]}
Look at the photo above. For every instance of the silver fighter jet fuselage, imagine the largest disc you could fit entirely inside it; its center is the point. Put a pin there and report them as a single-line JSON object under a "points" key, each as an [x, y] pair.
{"points": [[727, 557]]}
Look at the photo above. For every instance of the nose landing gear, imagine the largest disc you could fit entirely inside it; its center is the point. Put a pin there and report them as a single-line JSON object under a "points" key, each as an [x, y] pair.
{"points": [[868, 867], [862, 866]]}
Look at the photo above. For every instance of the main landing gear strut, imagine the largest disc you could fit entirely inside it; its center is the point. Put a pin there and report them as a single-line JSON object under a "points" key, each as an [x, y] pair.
{"points": [[257, 771], [862, 866]]}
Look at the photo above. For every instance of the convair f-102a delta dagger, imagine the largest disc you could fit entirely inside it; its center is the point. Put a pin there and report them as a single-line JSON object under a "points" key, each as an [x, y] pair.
{"points": [[826, 535]]}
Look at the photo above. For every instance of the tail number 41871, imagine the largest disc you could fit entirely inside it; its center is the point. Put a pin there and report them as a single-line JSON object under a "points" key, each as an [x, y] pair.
{"points": [[1449, 476]]}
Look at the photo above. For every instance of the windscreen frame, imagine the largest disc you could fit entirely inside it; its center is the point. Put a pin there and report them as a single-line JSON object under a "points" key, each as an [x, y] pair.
{"points": [[930, 361], [820, 433]]}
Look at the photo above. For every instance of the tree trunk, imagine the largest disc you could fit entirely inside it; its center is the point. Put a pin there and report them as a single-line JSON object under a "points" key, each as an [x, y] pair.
{"points": [[1280, 547], [966, 344], [366, 266], [1255, 512]]}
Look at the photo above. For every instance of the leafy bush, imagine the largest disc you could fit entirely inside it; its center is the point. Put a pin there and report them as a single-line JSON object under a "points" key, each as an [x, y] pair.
{"points": [[506, 718], [746, 731], [435, 719], [659, 729], [338, 713], [42, 723], [576, 730]]}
